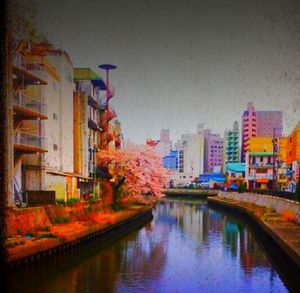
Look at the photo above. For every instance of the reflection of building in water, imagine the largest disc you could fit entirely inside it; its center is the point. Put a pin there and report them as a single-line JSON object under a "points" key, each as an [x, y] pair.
{"points": [[200, 223], [231, 235], [188, 217], [251, 255]]}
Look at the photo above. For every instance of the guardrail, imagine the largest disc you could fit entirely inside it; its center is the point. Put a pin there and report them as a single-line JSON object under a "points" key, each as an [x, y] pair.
{"points": [[34, 68], [30, 103], [27, 139]]}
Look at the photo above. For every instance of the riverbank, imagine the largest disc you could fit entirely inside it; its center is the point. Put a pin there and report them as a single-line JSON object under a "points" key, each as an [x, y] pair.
{"points": [[38, 232], [189, 193], [280, 232]]}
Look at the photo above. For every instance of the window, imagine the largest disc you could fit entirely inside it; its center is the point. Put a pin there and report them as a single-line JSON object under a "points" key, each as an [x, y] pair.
{"points": [[54, 116], [55, 147]]}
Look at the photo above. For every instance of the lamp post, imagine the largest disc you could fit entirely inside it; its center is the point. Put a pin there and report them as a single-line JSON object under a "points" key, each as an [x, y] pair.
{"points": [[275, 150]]}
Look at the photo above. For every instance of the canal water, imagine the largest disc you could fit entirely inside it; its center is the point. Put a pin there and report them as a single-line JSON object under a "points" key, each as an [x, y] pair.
{"points": [[188, 247]]}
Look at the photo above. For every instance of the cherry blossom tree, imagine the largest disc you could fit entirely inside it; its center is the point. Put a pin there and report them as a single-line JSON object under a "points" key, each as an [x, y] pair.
{"points": [[132, 172]]}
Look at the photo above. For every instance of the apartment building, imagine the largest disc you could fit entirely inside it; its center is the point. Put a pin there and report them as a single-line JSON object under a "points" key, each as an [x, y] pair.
{"points": [[231, 146], [213, 152]]}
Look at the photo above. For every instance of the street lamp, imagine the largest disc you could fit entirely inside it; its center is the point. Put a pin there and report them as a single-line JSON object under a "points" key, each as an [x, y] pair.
{"points": [[275, 150]]}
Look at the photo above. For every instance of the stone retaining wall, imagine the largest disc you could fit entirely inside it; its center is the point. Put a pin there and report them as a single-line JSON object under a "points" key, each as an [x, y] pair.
{"points": [[278, 205], [33, 219]]}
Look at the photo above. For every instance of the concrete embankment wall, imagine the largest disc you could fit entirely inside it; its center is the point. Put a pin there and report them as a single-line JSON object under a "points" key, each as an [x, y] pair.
{"points": [[33, 219], [177, 192], [278, 205]]}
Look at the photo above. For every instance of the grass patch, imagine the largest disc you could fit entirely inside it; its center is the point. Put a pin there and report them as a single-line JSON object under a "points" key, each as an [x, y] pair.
{"points": [[61, 220], [47, 235]]}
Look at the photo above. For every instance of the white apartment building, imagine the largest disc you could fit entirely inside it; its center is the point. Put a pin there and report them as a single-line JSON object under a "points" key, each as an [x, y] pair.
{"points": [[53, 170], [190, 149]]}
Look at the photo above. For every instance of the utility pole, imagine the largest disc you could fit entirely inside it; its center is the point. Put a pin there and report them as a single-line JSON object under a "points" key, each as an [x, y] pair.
{"points": [[275, 149]]}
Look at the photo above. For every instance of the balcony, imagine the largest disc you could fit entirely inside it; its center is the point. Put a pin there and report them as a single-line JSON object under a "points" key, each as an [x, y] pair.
{"points": [[29, 107], [92, 124], [261, 165], [29, 143], [253, 176], [31, 72], [92, 102]]}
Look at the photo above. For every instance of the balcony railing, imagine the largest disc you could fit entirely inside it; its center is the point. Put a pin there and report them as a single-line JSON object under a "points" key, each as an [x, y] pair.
{"points": [[34, 68], [92, 102], [92, 124], [252, 176], [261, 165], [30, 104], [30, 140]]}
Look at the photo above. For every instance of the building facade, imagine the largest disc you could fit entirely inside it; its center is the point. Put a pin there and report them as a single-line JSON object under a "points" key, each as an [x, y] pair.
{"points": [[231, 146], [213, 152], [249, 128], [259, 170], [269, 123], [190, 150]]}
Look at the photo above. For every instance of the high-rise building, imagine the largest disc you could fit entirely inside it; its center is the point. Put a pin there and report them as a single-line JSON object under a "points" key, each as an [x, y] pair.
{"points": [[213, 152], [164, 145], [269, 123], [231, 146], [249, 128], [190, 155], [261, 124]]}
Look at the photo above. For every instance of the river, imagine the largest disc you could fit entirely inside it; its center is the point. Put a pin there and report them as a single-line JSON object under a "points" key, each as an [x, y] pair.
{"points": [[187, 247]]}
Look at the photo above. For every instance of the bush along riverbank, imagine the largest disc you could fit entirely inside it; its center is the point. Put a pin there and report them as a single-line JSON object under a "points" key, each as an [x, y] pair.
{"points": [[276, 219], [32, 231]]}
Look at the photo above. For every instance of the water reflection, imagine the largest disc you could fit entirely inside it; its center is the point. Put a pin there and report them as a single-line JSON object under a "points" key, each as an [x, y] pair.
{"points": [[186, 248]]}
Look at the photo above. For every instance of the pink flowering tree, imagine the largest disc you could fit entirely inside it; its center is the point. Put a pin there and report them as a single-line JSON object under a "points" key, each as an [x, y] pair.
{"points": [[132, 172]]}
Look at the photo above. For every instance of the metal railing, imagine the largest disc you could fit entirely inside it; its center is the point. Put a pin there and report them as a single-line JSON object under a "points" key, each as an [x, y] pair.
{"points": [[30, 103], [27, 139], [34, 68], [252, 176]]}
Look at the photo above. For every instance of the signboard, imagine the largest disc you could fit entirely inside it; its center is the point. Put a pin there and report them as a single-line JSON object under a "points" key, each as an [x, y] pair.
{"points": [[295, 168]]}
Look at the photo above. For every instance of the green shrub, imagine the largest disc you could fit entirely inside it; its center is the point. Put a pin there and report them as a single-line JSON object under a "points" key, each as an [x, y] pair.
{"points": [[242, 187], [48, 235], [60, 201], [60, 220], [72, 200]]}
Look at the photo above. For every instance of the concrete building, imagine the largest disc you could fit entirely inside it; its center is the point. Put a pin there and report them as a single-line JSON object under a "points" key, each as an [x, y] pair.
{"points": [[259, 170], [164, 145], [293, 146], [87, 127], [28, 79], [269, 123], [213, 152], [249, 128], [231, 145], [54, 169], [261, 124], [190, 156], [236, 170]]}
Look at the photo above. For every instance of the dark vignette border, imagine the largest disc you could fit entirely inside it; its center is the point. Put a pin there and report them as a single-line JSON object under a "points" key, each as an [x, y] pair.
{"points": [[3, 138]]}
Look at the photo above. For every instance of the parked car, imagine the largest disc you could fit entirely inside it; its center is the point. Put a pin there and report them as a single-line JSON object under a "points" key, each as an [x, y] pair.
{"points": [[204, 185]]}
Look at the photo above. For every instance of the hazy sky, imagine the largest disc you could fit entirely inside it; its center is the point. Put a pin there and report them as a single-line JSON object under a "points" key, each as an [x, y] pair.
{"points": [[184, 62]]}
